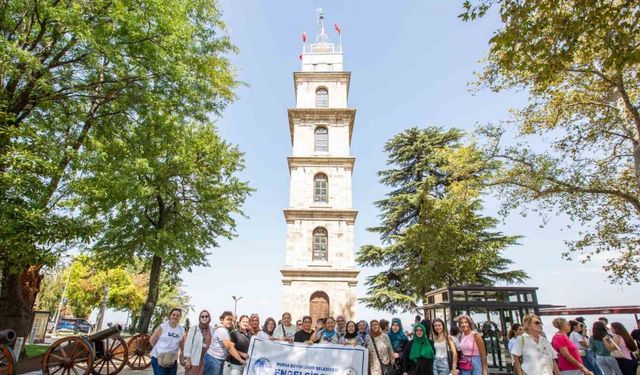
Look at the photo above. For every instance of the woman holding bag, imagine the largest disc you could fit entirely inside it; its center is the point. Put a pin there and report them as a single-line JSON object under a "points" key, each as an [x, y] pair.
{"points": [[380, 351], [474, 353], [196, 344], [166, 341], [602, 344]]}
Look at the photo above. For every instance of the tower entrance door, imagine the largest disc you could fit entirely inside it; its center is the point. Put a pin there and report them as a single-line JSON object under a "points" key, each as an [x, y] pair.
{"points": [[318, 306]]}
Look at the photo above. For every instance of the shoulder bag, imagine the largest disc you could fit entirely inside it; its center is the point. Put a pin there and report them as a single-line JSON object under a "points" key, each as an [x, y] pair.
{"points": [[387, 369], [616, 352]]}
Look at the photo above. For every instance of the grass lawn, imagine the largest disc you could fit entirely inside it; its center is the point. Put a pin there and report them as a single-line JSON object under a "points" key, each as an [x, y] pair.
{"points": [[35, 350]]}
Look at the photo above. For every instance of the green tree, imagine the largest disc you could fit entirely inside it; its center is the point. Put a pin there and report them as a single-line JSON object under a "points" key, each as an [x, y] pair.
{"points": [[579, 62], [51, 289], [164, 193], [432, 229], [74, 69], [86, 288]]}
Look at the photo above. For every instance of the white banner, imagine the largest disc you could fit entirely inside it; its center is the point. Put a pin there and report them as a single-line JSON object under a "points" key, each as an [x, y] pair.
{"points": [[281, 358]]}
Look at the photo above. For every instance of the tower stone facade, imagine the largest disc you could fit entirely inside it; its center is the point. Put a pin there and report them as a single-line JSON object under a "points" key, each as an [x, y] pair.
{"points": [[319, 276]]}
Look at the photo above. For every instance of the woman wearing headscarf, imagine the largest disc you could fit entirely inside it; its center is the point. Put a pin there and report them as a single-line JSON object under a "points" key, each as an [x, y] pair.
{"points": [[363, 333], [350, 334], [328, 334], [418, 354], [196, 344], [380, 350], [398, 339]]}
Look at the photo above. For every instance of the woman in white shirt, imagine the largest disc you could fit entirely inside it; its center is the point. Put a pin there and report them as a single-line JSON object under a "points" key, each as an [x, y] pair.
{"points": [[286, 330], [196, 344], [532, 352], [446, 356], [166, 341], [514, 333], [221, 347]]}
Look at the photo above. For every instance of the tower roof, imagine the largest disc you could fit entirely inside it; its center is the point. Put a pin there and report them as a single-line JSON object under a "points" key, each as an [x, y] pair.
{"points": [[323, 55]]}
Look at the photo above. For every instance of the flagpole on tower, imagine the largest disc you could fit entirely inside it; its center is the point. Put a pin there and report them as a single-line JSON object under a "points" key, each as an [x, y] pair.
{"points": [[337, 27]]}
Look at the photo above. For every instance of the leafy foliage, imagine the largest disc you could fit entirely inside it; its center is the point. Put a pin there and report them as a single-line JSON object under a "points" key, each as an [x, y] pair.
{"points": [[86, 288], [71, 69], [433, 231], [579, 61]]}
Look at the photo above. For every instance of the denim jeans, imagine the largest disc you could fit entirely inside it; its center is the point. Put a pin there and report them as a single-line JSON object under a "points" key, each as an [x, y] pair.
{"points": [[441, 366], [212, 366], [589, 362], [159, 370], [477, 366], [608, 365]]}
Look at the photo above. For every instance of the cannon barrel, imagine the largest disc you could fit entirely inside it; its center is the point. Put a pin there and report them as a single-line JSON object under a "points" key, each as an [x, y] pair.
{"points": [[7, 337], [115, 330]]}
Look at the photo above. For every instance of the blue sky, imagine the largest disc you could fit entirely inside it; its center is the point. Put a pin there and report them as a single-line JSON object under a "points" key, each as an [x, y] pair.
{"points": [[411, 63]]}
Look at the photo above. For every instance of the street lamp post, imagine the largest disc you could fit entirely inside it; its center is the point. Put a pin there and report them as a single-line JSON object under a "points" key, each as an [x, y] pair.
{"points": [[235, 305]]}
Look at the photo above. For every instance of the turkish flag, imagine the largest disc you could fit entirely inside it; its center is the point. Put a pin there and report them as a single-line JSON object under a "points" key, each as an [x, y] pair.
{"points": [[337, 27], [304, 37], [300, 57]]}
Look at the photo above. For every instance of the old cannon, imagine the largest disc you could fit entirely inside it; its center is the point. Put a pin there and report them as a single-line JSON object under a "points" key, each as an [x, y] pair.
{"points": [[104, 352], [7, 360]]}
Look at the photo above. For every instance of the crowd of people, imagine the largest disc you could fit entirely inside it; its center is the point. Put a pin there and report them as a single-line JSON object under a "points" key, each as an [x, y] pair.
{"points": [[609, 350], [428, 348]]}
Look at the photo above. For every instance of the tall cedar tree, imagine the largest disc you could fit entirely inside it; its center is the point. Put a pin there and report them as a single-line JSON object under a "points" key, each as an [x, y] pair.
{"points": [[579, 62], [71, 69], [432, 229]]}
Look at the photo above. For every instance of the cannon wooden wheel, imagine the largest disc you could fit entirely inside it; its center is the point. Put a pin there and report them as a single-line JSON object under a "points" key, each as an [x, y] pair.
{"points": [[139, 351], [68, 356], [7, 361], [111, 355]]}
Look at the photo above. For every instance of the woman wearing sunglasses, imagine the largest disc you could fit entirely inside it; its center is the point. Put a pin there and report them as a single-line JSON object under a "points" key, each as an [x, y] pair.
{"points": [[196, 344], [532, 352]]}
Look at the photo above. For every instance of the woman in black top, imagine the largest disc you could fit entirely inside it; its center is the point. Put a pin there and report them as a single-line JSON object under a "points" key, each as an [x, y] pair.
{"points": [[417, 358], [305, 333], [240, 338]]}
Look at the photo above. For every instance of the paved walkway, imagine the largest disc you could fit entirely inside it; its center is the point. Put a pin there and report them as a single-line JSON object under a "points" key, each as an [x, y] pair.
{"points": [[125, 371]]}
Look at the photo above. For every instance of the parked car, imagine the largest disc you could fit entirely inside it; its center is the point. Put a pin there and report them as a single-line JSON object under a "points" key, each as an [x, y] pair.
{"points": [[76, 325]]}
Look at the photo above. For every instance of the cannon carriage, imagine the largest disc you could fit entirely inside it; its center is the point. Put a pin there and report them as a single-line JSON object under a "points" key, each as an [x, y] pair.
{"points": [[101, 353]]}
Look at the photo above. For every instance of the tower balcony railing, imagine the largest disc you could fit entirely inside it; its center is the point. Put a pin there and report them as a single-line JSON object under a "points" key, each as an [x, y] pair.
{"points": [[322, 48]]}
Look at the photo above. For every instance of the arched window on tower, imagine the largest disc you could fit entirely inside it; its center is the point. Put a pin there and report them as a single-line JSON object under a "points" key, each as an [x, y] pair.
{"points": [[320, 244], [320, 188], [321, 139], [322, 97]]}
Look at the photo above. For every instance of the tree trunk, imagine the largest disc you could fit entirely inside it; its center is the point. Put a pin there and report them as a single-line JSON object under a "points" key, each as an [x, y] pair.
{"points": [[17, 297], [103, 309], [152, 296]]}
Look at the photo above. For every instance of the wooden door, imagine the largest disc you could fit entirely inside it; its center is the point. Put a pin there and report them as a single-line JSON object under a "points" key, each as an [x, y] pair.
{"points": [[318, 306]]}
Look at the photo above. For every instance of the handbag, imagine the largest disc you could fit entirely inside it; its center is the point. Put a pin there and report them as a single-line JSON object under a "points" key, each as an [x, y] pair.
{"points": [[465, 363], [616, 352], [167, 359], [387, 369]]}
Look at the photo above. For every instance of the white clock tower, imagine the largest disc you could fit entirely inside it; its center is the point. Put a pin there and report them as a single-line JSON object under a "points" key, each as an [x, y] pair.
{"points": [[319, 276]]}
